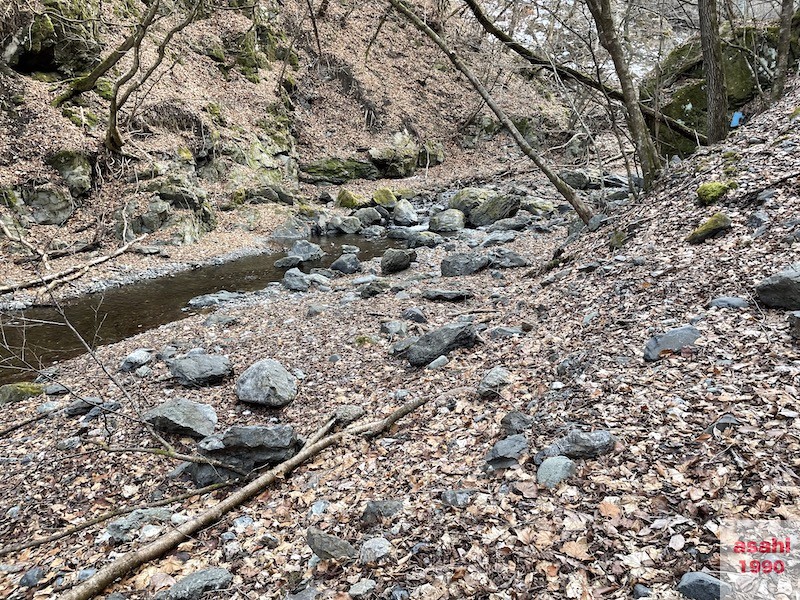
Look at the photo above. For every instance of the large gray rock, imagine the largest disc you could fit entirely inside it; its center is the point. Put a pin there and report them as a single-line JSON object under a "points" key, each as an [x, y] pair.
{"points": [[378, 510], [75, 169], [394, 261], [404, 213], [328, 546], [244, 448], [214, 299], [195, 369], [137, 358], [460, 264], [347, 264], [441, 342], [306, 250], [447, 221], [517, 223], [781, 290], [440, 295], [468, 199], [554, 470], [702, 586], [503, 258], [267, 383], [424, 239], [493, 209], [581, 444], [49, 204], [493, 382], [673, 340], [295, 280], [184, 417], [373, 550], [196, 585], [504, 454], [368, 216]]}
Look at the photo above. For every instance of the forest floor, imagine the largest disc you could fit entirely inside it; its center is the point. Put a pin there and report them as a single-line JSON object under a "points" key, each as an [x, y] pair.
{"points": [[646, 513]]}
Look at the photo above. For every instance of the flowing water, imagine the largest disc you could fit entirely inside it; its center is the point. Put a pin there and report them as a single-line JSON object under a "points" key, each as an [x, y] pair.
{"points": [[38, 337]]}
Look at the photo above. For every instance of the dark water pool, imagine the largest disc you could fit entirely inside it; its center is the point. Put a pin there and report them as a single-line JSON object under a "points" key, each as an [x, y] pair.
{"points": [[37, 337]]}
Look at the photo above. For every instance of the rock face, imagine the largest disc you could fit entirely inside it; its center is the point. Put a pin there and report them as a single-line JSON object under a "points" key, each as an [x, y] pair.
{"points": [[328, 546], [554, 470], [671, 341], [200, 369], [194, 586], [49, 204], [394, 261], [456, 265], [441, 342], [244, 448], [702, 586], [75, 169], [337, 170], [398, 159], [781, 290], [267, 383], [183, 417], [448, 220]]}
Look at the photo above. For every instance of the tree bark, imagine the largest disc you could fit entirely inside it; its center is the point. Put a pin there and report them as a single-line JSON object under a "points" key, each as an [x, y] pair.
{"points": [[571, 74], [716, 92], [568, 193], [642, 140], [784, 46]]}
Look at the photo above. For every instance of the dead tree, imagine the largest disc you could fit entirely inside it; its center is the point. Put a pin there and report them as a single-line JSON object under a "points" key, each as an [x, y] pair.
{"points": [[784, 47], [716, 94], [642, 140]]}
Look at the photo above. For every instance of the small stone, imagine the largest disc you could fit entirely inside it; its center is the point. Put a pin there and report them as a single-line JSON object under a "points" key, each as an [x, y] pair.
{"points": [[306, 250], [394, 260], [673, 340], [184, 417], [457, 498], [200, 369], [32, 577], [328, 546], [457, 265], [493, 382], [56, 389], [438, 363], [414, 314], [794, 324], [713, 227], [500, 333], [295, 280], [499, 237], [728, 302], [554, 470], [70, 443], [781, 290], [347, 264], [581, 444], [316, 309], [363, 588], [702, 586], [194, 586], [503, 258], [348, 413], [447, 221], [504, 454], [447, 295], [641, 591], [214, 299], [405, 214], [516, 422], [377, 510], [287, 262], [441, 342], [374, 550], [394, 329]]}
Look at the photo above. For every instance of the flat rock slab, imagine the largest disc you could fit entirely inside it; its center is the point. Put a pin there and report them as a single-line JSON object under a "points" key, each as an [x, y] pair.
{"points": [[440, 295], [441, 342], [137, 358], [781, 290], [673, 340], [728, 302], [184, 417], [504, 454], [194, 586], [214, 299], [267, 383], [192, 370], [328, 546]]}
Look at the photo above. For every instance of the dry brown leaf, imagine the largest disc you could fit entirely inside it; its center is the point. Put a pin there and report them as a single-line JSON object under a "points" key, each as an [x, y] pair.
{"points": [[577, 549]]}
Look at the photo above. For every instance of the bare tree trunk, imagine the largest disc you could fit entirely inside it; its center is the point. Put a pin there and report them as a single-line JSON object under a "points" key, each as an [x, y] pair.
{"points": [[645, 147], [569, 194], [784, 45], [574, 75], [716, 93]]}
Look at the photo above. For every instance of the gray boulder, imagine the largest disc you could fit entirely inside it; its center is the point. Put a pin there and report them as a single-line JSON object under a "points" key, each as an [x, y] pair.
{"points": [[196, 585], [394, 261], [517, 223], [120, 529], [200, 369], [460, 264], [578, 178], [516, 422], [503, 258], [493, 382], [368, 216], [673, 340], [404, 213], [554, 470], [346, 225], [504, 454], [306, 250], [440, 295], [441, 342], [447, 221], [781, 290], [378, 510], [137, 358], [414, 314], [49, 204], [328, 546], [267, 383], [457, 498], [75, 169], [183, 417], [347, 264], [499, 237], [394, 329], [493, 209], [424, 239], [702, 586], [373, 550], [468, 199], [295, 280]]}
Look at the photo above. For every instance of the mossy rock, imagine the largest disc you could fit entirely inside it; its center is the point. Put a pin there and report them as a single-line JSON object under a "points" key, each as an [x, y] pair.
{"points": [[494, 208], [17, 392], [75, 168], [714, 226], [431, 154], [795, 114], [468, 199], [385, 197], [337, 170], [710, 192], [10, 198], [105, 88], [84, 119], [617, 239], [347, 199], [399, 159]]}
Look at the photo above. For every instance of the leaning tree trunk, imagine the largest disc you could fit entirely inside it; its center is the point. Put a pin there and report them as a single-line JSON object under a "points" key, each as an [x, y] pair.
{"points": [[784, 45], [716, 92], [568, 193], [645, 147]]}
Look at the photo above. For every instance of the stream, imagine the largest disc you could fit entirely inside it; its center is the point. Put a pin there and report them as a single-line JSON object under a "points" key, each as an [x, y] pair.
{"points": [[38, 337]]}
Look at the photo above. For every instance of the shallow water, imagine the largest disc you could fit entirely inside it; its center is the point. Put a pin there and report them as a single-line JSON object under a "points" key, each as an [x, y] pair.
{"points": [[38, 337]]}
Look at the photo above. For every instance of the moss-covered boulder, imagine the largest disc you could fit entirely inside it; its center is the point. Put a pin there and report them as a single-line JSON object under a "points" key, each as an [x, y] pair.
{"points": [[385, 197], [713, 227], [347, 199], [75, 168], [494, 208], [398, 159], [337, 170], [710, 192], [17, 392], [431, 154], [468, 199]]}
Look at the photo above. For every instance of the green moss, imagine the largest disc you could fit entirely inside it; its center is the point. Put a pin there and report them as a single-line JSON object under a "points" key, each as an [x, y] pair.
{"points": [[347, 199], [307, 210], [81, 118], [712, 227], [711, 191], [185, 154], [364, 340], [41, 34], [17, 392], [49, 77], [214, 110], [617, 239], [105, 88], [385, 197], [9, 198], [795, 114], [338, 170]]}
